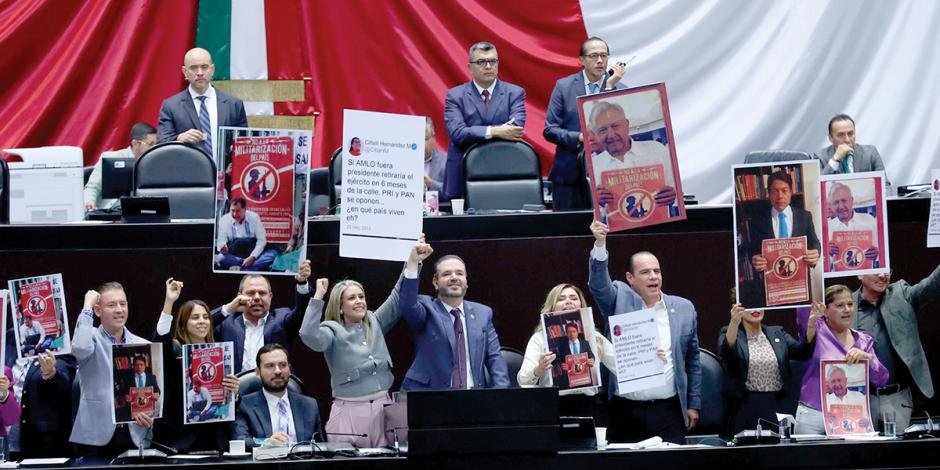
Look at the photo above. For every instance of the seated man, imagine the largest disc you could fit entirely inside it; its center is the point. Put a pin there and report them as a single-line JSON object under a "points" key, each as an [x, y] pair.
{"points": [[274, 415], [143, 136], [242, 241], [844, 155], [200, 401], [32, 334], [434, 160]]}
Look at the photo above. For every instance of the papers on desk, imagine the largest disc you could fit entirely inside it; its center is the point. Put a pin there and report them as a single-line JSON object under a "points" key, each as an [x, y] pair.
{"points": [[49, 461]]}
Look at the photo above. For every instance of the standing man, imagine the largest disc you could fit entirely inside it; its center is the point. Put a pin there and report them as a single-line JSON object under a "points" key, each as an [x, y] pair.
{"points": [[93, 428], [671, 409], [479, 110], [844, 155], [242, 241], [193, 115], [249, 322], [143, 136], [274, 415], [434, 159], [454, 338], [570, 190], [888, 312]]}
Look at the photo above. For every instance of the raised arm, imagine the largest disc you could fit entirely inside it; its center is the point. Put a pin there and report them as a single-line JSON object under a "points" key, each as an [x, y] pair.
{"points": [[83, 341], [390, 311], [599, 282], [313, 334], [294, 320], [924, 292]]}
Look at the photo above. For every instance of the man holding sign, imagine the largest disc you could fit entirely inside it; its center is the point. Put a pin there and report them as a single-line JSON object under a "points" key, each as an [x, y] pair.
{"points": [[667, 410]]}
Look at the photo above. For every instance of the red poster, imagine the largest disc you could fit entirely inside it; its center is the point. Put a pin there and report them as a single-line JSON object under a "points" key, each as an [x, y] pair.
{"points": [[785, 279], [208, 368], [634, 191], [579, 372], [141, 400], [36, 301], [263, 174], [852, 245]]}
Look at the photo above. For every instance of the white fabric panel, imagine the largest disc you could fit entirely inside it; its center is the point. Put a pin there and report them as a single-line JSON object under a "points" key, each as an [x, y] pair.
{"points": [[747, 75], [249, 43], [259, 108]]}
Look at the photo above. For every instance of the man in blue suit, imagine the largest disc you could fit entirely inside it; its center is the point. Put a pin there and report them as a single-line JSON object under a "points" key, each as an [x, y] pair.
{"points": [[667, 410], [193, 115], [274, 414], [249, 322], [570, 190], [479, 110], [454, 338]]}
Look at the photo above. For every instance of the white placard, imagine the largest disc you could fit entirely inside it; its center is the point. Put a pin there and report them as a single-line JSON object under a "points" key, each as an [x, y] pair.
{"points": [[933, 225], [383, 185], [635, 339]]}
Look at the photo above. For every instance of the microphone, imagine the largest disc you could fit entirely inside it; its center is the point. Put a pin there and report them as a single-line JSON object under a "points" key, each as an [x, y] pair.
{"points": [[324, 434], [610, 71]]}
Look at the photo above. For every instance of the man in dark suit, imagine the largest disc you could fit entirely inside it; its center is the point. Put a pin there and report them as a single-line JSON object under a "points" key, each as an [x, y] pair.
{"points": [[454, 338], [275, 414], [140, 379], [570, 190], [193, 115], [573, 345], [249, 322], [844, 155], [479, 110]]}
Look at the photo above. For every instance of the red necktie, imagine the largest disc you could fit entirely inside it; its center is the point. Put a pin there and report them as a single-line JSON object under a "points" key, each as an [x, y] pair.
{"points": [[486, 97], [458, 378]]}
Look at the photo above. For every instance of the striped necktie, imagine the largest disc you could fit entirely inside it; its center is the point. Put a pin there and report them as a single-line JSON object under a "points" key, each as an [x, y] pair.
{"points": [[205, 124], [283, 420]]}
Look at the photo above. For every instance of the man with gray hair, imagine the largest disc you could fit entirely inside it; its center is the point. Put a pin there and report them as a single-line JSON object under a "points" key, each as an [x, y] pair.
{"points": [[477, 111], [842, 205], [434, 159]]}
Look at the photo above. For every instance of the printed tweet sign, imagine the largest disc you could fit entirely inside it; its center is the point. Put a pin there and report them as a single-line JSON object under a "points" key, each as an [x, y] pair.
{"points": [[39, 316], [383, 185]]}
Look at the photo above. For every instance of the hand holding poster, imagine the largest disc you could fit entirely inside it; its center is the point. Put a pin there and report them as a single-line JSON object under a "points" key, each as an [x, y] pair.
{"points": [[205, 366], [137, 381], [383, 185], [39, 316], [855, 232], [260, 222], [636, 339], [570, 336], [844, 393], [631, 156]]}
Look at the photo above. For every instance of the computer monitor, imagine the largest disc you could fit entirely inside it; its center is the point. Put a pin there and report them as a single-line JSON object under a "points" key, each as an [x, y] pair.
{"points": [[117, 177]]}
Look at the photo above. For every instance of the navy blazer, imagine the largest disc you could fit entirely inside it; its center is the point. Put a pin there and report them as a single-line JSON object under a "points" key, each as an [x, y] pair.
{"points": [[282, 326], [253, 420], [737, 358], [467, 118], [762, 229], [178, 114], [433, 330], [562, 126]]}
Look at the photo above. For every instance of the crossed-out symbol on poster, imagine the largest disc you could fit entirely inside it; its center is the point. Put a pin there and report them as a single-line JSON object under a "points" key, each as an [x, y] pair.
{"points": [[35, 306], [637, 205], [260, 182], [206, 372], [786, 267]]}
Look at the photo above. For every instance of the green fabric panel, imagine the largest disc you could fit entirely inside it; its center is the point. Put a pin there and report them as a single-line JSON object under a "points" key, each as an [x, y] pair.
{"points": [[214, 34]]}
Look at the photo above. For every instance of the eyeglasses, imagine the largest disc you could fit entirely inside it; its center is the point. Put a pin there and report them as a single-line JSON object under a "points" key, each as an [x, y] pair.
{"points": [[597, 55], [485, 62]]}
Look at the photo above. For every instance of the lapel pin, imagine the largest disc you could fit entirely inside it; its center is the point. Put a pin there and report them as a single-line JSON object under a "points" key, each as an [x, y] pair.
{"points": [[776, 340], [473, 317]]}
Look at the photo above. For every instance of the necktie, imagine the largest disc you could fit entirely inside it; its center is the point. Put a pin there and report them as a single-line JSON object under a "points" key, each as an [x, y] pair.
{"points": [[140, 381], [486, 97], [458, 378], [283, 420], [204, 124], [593, 87], [574, 347], [847, 164], [784, 230]]}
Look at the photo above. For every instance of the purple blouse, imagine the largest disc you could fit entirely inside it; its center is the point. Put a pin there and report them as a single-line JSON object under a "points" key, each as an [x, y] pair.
{"points": [[828, 347], [9, 409]]}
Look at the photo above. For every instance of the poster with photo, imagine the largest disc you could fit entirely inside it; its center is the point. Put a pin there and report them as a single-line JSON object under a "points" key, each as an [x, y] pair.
{"points": [[774, 202], [39, 316], [630, 156], [855, 229], [844, 393], [4, 295], [137, 381], [205, 365], [570, 336], [261, 200]]}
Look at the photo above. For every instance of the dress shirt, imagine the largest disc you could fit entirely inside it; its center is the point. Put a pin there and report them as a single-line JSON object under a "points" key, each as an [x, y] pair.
{"points": [[250, 226], [212, 107], [849, 160], [205, 396], [642, 153], [851, 397], [775, 220], [668, 388], [588, 83], [275, 416], [490, 89], [19, 369], [254, 340], [859, 221]]}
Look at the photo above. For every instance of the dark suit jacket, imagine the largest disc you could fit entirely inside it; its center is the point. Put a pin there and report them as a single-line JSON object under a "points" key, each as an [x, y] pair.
{"points": [[736, 358], [562, 126], [466, 119], [178, 114], [433, 330], [282, 326], [762, 229], [253, 420], [564, 349]]}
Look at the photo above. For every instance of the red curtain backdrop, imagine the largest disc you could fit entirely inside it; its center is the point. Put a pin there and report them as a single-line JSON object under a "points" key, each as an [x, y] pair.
{"points": [[81, 73]]}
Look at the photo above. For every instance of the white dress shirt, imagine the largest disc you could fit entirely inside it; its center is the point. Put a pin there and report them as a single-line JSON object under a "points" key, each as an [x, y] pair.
{"points": [[275, 416], [775, 221], [212, 107], [859, 221], [642, 153], [250, 226], [254, 340]]}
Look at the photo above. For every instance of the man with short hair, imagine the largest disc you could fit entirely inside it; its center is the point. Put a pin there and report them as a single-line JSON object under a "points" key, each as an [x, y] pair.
{"points": [[32, 334], [480, 110], [454, 338], [667, 410], [434, 159], [888, 312], [844, 155], [842, 203], [241, 240], [199, 400], [93, 429], [275, 416], [570, 190], [249, 322], [194, 115], [143, 136]]}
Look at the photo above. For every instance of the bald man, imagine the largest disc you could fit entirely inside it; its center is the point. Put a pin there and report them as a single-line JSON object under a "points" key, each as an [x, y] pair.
{"points": [[193, 115]]}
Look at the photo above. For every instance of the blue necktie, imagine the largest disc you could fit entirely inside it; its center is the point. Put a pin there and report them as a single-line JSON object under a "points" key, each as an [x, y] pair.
{"points": [[140, 381], [574, 348], [784, 230], [204, 123], [283, 421], [593, 87]]}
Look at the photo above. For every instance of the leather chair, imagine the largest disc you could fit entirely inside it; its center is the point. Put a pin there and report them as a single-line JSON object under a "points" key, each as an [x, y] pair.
{"points": [[183, 174], [768, 156], [88, 170], [319, 201], [4, 192], [249, 382], [791, 399], [712, 414], [513, 358], [502, 175], [336, 176]]}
